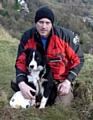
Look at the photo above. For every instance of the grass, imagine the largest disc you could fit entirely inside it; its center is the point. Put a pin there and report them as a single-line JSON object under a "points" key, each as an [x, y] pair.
{"points": [[80, 109], [53, 0]]}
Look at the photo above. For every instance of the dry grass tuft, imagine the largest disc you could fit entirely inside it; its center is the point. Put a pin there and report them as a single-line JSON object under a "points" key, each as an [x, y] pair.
{"points": [[5, 35]]}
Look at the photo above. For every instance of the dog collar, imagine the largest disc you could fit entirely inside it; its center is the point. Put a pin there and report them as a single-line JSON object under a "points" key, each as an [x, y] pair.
{"points": [[44, 72]]}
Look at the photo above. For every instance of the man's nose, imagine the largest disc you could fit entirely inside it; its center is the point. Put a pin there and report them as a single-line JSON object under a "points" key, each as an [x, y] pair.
{"points": [[44, 25]]}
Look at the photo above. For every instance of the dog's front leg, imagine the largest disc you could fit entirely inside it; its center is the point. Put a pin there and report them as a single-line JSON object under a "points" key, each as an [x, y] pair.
{"points": [[33, 101], [43, 102]]}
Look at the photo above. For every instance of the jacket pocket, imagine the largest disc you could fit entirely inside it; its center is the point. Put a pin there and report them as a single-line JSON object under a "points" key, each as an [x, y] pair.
{"points": [[57, 64]]}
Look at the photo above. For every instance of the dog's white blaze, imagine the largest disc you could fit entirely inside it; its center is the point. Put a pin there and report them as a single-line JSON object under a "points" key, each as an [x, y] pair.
{"points": [[43, 102], [33, 62]]}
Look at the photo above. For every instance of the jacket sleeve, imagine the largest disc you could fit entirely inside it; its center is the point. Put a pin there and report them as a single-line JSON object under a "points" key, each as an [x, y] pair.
{"points": [[20, 64], [75, 55]]}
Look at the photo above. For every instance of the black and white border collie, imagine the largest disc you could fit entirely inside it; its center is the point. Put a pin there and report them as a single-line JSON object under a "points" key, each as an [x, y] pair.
{"points": [[40, 78]]}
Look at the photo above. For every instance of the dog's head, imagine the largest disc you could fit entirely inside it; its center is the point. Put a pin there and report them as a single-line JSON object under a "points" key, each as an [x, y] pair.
{"points": [[34, 58]]}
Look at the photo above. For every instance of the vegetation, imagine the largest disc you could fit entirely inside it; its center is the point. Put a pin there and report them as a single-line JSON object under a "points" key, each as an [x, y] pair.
{"points": [[68, 13], [80, 109]]}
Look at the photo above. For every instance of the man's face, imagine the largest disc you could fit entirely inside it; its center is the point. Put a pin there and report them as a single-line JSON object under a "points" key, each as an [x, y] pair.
{"points": [[44, 26]]}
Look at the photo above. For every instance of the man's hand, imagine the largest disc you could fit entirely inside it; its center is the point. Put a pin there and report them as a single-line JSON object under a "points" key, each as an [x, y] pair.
{"points": [[25, 89], [64, 87]]}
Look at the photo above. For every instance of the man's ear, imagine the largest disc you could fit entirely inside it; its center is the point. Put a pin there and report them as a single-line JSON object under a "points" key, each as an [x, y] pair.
{"points": [[40, 49]]}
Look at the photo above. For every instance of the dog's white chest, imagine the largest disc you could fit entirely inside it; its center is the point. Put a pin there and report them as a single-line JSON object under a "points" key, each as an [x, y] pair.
{"points": [[33, 77]]}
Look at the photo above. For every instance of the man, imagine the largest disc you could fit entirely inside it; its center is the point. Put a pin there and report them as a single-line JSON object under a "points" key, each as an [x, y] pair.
{"points": [[59, 43]]}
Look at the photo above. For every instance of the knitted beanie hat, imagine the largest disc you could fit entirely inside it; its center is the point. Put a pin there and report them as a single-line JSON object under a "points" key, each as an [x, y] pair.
{"points": [[44, 12]]}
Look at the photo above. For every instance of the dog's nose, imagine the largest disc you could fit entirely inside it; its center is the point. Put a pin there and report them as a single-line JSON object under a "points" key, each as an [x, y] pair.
{"points": [[31, 66]]}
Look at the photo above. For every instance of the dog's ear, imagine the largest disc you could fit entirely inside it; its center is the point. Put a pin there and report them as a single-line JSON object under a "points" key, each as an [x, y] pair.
{"points": [[40, 49], [27, 51]]}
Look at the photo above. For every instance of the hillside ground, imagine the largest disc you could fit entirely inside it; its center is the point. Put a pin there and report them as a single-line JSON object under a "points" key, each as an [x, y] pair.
{"points": [[80, 109]]}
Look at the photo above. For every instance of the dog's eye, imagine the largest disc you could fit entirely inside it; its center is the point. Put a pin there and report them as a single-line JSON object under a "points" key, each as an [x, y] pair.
{"points": [[37, 58]]}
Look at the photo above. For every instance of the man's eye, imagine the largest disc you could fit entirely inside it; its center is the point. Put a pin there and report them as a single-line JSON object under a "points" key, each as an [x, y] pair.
{"points": [[41, 22], [48, 23]]}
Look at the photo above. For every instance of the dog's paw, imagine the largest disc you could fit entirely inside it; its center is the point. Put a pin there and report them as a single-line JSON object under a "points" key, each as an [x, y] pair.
{"points": [[41, 107], [43, 103], [32, 102]]}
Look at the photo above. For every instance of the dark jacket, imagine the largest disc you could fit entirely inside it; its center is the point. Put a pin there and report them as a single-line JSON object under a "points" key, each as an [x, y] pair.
{"points": [[62, 45]]}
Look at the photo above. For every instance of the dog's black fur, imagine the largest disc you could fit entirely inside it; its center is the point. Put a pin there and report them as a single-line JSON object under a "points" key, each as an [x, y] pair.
{"points": [[50, 90]]}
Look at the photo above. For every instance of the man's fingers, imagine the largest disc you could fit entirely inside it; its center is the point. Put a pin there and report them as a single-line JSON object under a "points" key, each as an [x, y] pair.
{"points": [[31, 96], [31, 93], [63, 89], [59, 87], [33, 90]]}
